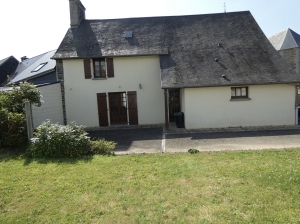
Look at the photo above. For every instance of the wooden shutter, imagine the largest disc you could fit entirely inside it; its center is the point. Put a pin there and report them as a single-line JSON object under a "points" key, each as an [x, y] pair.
{"points": [[87, 69], [102, 109], [110, 67], [132, 108]]}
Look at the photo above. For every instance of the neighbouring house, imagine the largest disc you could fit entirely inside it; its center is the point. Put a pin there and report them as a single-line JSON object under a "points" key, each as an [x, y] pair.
{"points": [[37, 70], [7, 68], [219, 69], [41, 71], [287, 42]]}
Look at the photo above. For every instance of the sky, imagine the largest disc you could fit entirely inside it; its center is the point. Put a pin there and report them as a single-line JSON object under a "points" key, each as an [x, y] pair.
{"points": [[33, 27]]}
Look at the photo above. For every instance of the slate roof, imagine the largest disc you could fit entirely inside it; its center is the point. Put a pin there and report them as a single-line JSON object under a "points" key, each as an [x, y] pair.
{"points": [[4, 60], [190, 54], [285, 39], [25, 68]]}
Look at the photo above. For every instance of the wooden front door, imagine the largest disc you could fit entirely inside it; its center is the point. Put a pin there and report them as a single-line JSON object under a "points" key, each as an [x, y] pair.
{"points": [[118, 108], [174, 103]]}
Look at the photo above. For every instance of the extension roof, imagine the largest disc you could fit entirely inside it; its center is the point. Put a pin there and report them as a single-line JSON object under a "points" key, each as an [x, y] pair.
{"points": [[25, 68], [195, 50], [285, 39]]}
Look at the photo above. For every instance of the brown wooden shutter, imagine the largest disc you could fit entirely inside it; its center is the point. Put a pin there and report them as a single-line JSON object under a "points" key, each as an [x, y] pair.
{"points": [[102, 109], [87, 69], [132, 108], [110, 67]]}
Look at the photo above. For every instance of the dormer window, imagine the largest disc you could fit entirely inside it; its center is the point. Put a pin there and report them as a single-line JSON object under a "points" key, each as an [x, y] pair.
{"points": [[39, 67]]}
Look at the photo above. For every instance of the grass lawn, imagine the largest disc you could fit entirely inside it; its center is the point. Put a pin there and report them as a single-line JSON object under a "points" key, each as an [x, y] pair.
{"points": [[224, 187]]}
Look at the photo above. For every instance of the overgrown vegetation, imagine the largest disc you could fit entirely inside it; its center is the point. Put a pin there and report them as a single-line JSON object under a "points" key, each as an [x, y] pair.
{"points": [[13, 133], [68, 141], [224, 187]]}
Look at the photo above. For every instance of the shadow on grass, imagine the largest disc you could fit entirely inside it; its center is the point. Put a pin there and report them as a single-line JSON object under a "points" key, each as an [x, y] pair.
{"points": [[29, 160], [13, 154]]}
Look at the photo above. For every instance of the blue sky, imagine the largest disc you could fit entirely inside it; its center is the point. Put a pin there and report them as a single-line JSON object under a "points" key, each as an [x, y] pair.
{"points": [[33, 27]]}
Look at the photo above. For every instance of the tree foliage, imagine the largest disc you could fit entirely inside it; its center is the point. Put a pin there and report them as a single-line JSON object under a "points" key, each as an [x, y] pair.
{"points": [[12, 114]]}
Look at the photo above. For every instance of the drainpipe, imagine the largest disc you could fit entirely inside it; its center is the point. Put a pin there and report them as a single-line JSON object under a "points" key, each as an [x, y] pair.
{"points": [[166, 109], [296, 105]]}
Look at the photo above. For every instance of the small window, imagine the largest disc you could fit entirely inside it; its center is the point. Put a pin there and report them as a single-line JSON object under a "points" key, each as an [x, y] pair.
{"points": [[99, 68], [103, 67], [39, 67], [239, 92]]}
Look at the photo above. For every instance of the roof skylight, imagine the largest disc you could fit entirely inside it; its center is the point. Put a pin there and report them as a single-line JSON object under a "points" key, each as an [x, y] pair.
{"points": [[128, 34], [39, 67]]}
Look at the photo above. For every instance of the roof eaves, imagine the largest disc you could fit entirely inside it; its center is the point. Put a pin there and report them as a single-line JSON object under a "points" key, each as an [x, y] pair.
{"points": [[32, 77]]}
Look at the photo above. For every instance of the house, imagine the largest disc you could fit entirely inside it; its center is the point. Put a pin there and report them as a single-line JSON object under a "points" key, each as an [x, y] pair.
{"points": [[219, 69], [287, 42], [7, 68], [37, 70], [41, 71]]}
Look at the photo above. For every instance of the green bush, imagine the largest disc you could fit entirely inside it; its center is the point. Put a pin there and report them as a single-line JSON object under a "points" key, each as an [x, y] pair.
{"points": [[13, 133], [193, 151], [56, 141], [14, 100], [102, 147]]}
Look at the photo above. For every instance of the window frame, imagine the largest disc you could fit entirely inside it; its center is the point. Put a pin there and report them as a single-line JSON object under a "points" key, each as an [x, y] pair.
{"points": [[94, 68], [240, 89], [39, 67]]}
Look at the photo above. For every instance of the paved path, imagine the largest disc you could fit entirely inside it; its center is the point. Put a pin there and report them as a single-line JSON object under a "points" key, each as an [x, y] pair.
{"points": [[156, 140]]}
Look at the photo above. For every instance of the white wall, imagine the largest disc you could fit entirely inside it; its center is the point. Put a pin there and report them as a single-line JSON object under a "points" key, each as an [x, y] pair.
{"points": [[212, 108], [81, 93], [52, 106]]}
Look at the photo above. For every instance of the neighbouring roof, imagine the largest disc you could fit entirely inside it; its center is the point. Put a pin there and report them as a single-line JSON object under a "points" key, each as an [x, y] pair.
{"points": [[7, 68], [4, 60], [285, 39], [189, 49], [25, 68]]}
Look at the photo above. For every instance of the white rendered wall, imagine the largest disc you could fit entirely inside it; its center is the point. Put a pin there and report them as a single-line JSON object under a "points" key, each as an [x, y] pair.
{"points": [[212, 108], [51, 108], [129, 72]]}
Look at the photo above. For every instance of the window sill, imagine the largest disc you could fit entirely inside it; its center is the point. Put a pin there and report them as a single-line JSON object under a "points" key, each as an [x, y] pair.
{"points": [[240, 99], [102, 78]]}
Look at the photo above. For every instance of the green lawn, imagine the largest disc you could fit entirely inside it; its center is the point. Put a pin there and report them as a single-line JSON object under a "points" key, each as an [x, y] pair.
{"points": [[227, 187]]}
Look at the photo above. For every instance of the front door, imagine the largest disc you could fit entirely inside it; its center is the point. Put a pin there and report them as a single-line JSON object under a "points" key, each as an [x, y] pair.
{"points": [[118, 108], [174, 103]]}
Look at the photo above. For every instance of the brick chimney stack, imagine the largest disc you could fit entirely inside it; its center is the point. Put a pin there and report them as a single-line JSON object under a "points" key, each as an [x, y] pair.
{"points": [[77, 13]]}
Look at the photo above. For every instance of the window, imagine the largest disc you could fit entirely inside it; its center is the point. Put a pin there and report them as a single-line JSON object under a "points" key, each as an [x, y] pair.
{"points": [[103, 67], [99, 68], [39, 67], [239, 92]]}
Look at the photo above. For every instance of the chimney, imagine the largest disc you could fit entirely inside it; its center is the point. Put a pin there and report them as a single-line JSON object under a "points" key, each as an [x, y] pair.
{"points": [[77, 13], [24, 58]]}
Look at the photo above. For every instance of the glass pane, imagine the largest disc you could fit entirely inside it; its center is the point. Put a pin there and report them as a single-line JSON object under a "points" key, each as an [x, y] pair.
{"points": [[244, 92], [232, 91], [103, 68], [97, 69], [238, 91]]}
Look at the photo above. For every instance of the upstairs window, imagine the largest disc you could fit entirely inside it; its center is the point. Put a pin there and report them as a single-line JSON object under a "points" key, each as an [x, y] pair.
{"points": [[99, 68], [102, 68], [39, 67], [239, 92]]}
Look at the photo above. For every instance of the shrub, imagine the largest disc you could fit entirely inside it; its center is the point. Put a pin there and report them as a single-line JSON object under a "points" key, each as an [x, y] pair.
{"points": [[193, 151], [12, 114], [54, 141], [13, 101], [102, 147], [13, 129]]}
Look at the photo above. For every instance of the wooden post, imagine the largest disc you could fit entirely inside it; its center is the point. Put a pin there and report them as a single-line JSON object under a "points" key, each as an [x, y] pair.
{"points": [[29, 120], [166, 109]]}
